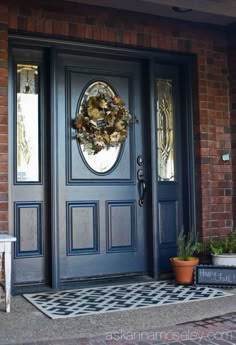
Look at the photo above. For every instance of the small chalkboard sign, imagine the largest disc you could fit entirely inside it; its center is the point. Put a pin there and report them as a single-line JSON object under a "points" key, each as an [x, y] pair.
{"points": [[224, 276]]}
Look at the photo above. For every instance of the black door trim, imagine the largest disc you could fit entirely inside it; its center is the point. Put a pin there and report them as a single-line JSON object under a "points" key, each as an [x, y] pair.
{"points": [[98, 49], [185, 61], [55, 282]]}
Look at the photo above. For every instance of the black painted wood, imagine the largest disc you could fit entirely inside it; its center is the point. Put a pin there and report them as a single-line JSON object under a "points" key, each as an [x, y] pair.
{"points": [[28, 229], [170, 193], [82, 228], [29, 201], [53, 187], [117, 227], [149, 58]]}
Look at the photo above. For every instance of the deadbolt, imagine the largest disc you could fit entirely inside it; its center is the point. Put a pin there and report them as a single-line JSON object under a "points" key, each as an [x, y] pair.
{"points": [[140, 160]]}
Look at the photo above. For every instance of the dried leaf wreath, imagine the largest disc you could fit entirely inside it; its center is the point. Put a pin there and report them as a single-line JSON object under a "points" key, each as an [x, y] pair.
{"points": [[102, 123]]}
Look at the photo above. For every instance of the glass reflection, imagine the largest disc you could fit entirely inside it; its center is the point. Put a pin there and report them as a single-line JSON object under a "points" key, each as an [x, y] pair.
{"points": [[165, 131], [27, 124], [104, 160]]}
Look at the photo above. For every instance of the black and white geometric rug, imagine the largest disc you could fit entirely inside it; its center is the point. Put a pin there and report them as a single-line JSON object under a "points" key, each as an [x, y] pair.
{"points": [[71, 303]]}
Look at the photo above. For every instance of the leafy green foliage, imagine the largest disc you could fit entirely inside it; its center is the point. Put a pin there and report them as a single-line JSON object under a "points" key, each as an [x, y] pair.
{"points": [[224, 245], [186, 246], [202, 247], [219, 245]]}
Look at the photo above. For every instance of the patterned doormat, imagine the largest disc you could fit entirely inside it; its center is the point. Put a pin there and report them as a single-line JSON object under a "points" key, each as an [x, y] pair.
{"points": [[71, 303]]}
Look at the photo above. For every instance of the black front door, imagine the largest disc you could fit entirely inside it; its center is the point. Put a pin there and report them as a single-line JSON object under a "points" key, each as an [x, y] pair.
{"points": [[101, 225], [78, 215]]}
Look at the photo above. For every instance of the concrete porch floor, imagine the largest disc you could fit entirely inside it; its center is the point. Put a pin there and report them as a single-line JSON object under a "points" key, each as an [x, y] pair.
{"points": [[26, 324]]}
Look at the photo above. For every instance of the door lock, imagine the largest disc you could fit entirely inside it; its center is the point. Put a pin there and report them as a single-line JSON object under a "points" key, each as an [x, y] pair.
{"points": [[140, 175], [140, 160]]}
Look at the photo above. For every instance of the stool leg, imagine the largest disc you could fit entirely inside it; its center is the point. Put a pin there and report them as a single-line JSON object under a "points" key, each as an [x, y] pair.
{"points": [[7, 270]]}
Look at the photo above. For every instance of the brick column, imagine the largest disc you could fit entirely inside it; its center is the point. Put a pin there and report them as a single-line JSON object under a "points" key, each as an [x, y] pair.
{"points": [[232, 80], [3, 125], [3, 118]]}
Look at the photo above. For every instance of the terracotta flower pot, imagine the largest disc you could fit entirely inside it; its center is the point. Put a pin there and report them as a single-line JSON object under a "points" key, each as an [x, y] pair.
{"points": [[184, 269]]}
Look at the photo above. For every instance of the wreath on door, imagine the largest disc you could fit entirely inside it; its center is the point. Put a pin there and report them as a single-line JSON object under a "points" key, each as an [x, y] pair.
{"points": [[102, 123]]}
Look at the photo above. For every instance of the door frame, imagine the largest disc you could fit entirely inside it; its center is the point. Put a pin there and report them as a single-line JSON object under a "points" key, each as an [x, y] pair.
{"points": [[186, 63]]}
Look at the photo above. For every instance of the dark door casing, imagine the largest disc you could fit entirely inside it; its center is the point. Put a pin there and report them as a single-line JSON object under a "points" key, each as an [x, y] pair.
{"points": [[170, 183], [93, 224]]}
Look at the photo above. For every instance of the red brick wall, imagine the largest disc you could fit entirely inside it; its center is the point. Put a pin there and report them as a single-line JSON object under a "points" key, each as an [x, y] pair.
{"points": [[232, 79], [211, 104], [3, 118]]}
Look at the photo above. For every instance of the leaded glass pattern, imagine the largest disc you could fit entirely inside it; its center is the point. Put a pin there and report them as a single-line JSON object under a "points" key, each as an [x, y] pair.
{"points": [[27, 124], [165, 130]]}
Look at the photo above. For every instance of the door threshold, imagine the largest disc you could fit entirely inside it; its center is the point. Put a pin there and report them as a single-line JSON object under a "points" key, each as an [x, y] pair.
{"points": [[81, 284], [105, 281], [87, 283], [30, 288]]}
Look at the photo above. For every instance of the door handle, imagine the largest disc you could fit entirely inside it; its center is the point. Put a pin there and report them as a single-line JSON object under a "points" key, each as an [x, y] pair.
{"points": [[142, 187], [142, 191]]}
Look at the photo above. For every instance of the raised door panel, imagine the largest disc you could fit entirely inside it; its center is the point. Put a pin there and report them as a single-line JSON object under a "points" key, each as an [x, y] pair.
{"points": [[82, 227]]}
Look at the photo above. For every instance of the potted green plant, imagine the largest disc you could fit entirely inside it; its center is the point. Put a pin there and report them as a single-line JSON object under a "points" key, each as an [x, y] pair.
{"points": [[183, 264], [203, 252], [223, 250]]}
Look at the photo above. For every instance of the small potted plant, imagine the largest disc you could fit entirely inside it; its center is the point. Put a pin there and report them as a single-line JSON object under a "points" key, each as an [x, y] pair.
{"points": [[223, 250], [203, 252], [183, 264]]}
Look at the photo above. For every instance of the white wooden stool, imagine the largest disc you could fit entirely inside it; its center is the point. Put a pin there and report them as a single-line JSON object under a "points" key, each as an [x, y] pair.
{"points": [[5, 248]]}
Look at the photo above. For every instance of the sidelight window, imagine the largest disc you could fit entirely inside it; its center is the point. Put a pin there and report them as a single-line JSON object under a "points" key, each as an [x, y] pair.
{"points": [[27, 123], [165, 130]]}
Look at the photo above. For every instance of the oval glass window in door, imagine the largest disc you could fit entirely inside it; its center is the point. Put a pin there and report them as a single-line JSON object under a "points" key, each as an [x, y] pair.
{"points": [[105, 158]]}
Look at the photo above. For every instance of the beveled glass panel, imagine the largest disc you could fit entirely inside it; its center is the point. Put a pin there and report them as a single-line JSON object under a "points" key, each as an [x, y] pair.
{"points": [[165, 130], [104, 160], [27, 123]]}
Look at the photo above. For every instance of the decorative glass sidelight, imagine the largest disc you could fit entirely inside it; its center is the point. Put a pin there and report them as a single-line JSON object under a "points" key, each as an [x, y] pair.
{"points": [[165, 130], [104, 160], [27, 123]]}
